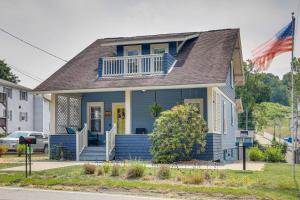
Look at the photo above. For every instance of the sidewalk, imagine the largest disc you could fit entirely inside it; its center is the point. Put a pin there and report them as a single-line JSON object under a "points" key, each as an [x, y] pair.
{"points": [[40, 166]]}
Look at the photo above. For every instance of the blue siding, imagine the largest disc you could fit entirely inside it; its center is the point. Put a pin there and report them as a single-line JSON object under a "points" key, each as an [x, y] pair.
{"points": [[139, 147], [133, 147], [120, 50], [228, 90], [173, 48], [69, 141], [141, 116]]}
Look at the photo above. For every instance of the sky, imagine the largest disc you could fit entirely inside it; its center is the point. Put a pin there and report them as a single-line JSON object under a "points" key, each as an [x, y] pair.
{"points": [[66, 27]]}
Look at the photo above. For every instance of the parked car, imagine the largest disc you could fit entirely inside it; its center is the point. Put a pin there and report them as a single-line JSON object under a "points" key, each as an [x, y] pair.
{"points": [[12, 140]]}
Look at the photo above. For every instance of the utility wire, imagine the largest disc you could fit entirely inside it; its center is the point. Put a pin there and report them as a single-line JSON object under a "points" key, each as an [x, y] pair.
{"points": [[32, 45], [26, 73]]}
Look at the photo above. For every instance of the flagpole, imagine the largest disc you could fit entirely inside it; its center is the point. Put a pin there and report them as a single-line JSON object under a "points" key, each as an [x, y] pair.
{"points": [[292, 95]]}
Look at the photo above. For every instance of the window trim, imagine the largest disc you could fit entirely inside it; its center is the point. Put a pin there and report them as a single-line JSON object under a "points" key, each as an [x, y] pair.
{"points": [[159, 46], [132, 47], [231, 75], [91, 104], [216, 108], [6, 89], [26, 96], [196, 100]]}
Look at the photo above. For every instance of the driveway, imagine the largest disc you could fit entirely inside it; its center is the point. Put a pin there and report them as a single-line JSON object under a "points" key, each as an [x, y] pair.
{"points": [[32, 194]]}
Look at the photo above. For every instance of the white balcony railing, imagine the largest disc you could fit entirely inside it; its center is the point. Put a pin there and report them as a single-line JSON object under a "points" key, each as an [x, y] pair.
{"points": [[132, 65]]}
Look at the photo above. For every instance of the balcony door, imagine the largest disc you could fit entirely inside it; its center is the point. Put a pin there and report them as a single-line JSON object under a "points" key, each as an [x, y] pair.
{"points": [[95, 119], [132, 62]]}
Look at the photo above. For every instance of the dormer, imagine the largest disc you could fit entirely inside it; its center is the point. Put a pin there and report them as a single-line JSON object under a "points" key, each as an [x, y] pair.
{"points": [[142, 56]]}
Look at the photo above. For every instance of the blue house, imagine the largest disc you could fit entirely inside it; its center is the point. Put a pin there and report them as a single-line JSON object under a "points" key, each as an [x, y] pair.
{"points": [[101, 99]]}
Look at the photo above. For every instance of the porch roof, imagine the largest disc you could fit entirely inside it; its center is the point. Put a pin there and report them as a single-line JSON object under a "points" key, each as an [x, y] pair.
{"points": [[204, 60]]}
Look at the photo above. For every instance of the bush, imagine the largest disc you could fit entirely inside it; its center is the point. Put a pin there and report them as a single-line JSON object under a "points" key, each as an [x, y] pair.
{"points": [[89, 169], [135, 170], [176, 132], [3, 149], [100, 171], [20, 148], [274, 154], [164, 172], [194, 178], [115, 171], [207, 176], [281, 145], [222, 175], [255, 154], [106, 168]]}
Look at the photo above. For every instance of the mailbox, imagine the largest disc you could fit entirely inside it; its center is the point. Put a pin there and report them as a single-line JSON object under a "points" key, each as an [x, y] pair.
{"points": [[27, 140]]}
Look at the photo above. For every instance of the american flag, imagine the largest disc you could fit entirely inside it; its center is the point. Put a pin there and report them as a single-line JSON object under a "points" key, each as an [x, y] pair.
{"points": [[280, 43]]}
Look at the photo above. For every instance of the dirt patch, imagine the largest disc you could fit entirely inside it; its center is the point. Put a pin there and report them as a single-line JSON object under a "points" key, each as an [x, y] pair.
{"points": [[144, 192]]}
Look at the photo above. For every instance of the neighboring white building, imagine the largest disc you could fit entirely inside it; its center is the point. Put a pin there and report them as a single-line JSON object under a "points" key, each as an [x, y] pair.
{"points": [[23, 110]]}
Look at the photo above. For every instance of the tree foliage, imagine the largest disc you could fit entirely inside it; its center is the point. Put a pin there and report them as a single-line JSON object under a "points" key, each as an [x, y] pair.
{"points": [[6, 74], [175, 133], [269, 114]]}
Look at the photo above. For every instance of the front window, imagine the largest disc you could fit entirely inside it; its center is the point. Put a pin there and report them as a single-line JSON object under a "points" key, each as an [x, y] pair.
{"points": [[159, 51], [159, 48], [23, 95], [7, 91], [95, 120]]}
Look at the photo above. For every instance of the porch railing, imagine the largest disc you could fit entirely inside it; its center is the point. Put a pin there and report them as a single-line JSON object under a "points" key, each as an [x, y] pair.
{"points": [[152, 64], [81, 141], [110, 141]]}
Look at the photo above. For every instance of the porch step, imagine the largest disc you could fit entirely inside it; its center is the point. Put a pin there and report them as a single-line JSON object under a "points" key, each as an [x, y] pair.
{"points": [[93, 154]]}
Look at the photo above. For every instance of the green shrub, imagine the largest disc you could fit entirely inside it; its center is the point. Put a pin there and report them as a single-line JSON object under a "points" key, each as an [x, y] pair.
{"points": [[281, 145], [20, 148], [100, 171], [255, 154], [273, 154], [106, 168], [176, 132], [3, 149], [207, 176], [193, 178], [89, 169], [135, 170], [115, 171], [164, 172], [222, 175]]}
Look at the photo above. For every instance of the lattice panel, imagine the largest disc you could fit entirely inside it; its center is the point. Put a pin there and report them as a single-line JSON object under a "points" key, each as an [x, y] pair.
{"points": [[74, 118], [67, 113]]}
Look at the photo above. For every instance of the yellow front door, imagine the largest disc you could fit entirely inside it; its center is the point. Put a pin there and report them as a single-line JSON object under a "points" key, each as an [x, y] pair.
{"points": [[119, 117]]}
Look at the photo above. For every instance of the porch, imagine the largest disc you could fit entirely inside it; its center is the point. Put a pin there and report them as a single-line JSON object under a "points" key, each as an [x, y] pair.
{"points": [[119, 122]]}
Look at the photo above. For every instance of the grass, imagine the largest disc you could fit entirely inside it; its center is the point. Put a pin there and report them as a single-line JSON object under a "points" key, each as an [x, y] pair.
{"points": [[275, 182], [13, 157], [8, 165]]}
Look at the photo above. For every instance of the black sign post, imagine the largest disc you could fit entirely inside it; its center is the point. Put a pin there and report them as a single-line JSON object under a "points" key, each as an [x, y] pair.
{"points": [[244, 157], [28, 150]]}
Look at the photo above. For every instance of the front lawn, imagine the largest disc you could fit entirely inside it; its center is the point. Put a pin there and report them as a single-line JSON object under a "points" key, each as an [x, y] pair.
{"points": [[13, 157], [8, 165], [275, 182]]}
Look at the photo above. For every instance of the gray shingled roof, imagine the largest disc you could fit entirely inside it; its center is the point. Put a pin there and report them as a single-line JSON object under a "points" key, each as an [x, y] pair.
{"points": [[203, 60]]}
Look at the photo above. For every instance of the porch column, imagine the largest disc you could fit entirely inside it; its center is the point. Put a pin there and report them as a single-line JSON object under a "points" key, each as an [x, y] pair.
{"points": [[53, 114], [128, 112], [210, 116]]}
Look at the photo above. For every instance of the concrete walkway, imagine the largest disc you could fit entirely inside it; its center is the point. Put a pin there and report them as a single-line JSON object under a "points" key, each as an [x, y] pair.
{"points": [[39, 166]]}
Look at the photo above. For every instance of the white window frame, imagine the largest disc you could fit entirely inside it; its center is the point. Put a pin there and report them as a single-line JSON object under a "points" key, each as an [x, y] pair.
{"points": [[8, 92], [25, 95], [225, 117], [159, 46], [132, 47], [100, 104], [196, 101]]}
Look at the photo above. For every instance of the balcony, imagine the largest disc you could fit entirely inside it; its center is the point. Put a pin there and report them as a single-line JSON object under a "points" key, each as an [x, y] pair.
{"points": [[140, 65]]}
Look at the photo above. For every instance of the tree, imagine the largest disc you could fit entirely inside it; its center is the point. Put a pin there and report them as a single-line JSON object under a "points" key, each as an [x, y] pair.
{"points": [[176, 132], [254, 91], [6, 74], [269, 114]]}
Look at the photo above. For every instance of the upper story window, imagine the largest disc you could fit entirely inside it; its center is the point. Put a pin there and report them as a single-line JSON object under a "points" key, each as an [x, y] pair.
{"points": [[23, 95], [159, 48], [7, 91], [132, 50]]}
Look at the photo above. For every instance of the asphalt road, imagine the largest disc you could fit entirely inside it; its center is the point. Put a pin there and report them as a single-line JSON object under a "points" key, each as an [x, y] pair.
{"points": [[7, 193]]}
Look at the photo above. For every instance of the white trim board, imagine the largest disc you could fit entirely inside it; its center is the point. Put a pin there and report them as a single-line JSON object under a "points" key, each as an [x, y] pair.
{"points": [[131, 88], [170, 39]]}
